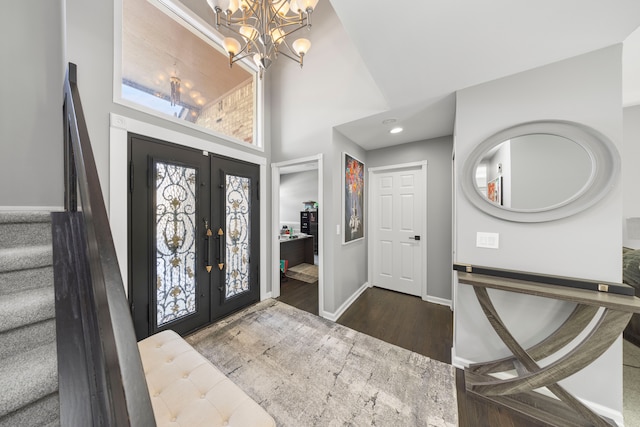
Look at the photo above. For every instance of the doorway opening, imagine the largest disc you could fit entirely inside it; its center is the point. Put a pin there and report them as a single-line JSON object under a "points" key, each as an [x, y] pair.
{"points": [[297, 219]]}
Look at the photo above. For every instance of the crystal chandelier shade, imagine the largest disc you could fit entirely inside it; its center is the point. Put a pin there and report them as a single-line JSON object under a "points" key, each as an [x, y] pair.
{"points": [[262, 29]]}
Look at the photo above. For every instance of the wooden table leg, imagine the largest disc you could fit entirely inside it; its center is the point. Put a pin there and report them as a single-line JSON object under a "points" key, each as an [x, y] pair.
{"points": [[532, 376]]}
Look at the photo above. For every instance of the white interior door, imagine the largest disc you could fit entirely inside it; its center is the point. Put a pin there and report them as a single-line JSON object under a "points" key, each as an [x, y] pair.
{"points": [[399, 229]]}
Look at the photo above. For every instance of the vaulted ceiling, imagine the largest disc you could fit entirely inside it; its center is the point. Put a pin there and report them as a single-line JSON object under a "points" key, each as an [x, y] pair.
{"points": [[421, 52]]}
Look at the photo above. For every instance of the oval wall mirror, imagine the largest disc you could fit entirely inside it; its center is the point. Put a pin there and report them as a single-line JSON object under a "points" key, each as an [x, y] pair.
{"points": [[540, 171]]}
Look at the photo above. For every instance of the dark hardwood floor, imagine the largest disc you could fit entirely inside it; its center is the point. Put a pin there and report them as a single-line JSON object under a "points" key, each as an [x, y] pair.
{"points": [[403, 320], [419, 326], [299, 294]]}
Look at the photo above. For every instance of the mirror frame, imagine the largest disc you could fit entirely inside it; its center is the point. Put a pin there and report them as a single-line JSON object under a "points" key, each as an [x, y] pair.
{"points": [[605, 161]]}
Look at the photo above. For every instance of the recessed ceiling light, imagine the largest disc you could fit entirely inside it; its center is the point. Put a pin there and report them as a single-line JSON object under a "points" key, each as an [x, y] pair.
{"points": [[396, 130], [389, 121]]}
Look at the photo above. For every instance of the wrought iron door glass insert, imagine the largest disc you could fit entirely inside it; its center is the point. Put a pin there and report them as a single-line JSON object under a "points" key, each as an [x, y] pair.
{"points": [[175, 206], [237, 212]]}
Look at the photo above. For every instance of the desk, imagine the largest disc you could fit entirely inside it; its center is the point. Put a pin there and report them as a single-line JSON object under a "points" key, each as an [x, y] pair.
{"points": [[297, 251]]}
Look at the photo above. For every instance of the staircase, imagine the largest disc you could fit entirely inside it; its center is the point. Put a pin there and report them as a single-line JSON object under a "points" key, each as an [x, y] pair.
{"points": [[28, 361]]}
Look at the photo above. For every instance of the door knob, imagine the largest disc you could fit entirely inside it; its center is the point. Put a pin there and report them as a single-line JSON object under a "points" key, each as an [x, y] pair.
{"points": [[414, 237]]}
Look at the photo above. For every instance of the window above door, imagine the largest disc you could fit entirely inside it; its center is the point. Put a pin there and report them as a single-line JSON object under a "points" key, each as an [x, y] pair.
{"points": [[169, 63]]}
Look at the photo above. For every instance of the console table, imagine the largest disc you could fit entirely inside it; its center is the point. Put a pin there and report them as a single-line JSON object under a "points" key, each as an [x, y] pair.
{"points": [[517, 392]]}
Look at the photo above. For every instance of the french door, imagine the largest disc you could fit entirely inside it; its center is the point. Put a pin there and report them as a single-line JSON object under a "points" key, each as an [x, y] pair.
{"points": [[193, 236]]}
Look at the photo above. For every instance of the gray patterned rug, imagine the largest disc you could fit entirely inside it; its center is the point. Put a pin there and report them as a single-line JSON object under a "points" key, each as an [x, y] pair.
{"points": [[308, 371]]}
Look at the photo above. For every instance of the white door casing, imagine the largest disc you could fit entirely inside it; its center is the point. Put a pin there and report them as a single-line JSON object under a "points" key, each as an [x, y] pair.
{"points": [[398, 228], [275, 215]]}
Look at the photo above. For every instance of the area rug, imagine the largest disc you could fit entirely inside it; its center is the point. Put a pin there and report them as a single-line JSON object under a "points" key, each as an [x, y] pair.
{"points": [[307, 371], [304, 272]]}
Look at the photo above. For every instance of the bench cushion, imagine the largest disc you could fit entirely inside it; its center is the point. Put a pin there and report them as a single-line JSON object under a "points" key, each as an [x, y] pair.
{"points": [[187, 390]]}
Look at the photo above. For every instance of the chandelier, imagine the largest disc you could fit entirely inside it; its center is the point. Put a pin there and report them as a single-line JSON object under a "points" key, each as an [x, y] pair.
{"points": [[262, 29], [175, 90]]}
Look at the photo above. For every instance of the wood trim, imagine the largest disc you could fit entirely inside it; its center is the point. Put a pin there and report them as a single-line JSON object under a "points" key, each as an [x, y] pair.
{"points": [[118, 390], [570, 329], [618, 309], [581, 296], [570, 282]]}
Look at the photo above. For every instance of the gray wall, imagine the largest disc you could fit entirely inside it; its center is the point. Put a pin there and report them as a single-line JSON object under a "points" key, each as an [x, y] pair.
{"points": [[631, 174], [90, 44], [546, 171], [350, 260], [31, 42], [305, 107], [503, 157], [296, 188], [586, 89], [437, 152]]}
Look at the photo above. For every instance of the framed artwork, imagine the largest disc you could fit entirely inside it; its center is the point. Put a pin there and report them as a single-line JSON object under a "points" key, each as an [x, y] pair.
{"points": [[494, 190], [352, 199]]}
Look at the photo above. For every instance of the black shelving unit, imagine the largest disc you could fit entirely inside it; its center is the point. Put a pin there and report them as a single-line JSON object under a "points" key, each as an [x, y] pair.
{"points": [[309, 225]]}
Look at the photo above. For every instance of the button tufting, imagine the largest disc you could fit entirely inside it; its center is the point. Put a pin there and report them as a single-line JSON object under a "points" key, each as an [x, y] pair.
{"points": [[226, 423], [185, 376], [202, 396], [169, 360], [173, 420]]}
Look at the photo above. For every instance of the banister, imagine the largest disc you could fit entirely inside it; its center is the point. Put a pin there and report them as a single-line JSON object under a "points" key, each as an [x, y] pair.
{"points": [[97, 348]]}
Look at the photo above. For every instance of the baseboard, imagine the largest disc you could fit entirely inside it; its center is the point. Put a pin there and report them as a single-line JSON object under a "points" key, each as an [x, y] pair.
{"points": [[266, 296], [438, 300], [605, 411], [459, 362], [32, 208], [335, 316]]}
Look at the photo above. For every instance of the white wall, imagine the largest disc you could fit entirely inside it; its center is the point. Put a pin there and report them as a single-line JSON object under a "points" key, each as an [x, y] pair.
{"points": [[296, 188], [631, 172], [586, 89], [437, 152], [31, 42]]}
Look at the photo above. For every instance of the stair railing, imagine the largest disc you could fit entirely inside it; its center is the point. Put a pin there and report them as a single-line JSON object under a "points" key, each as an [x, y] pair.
{"points": [[101, 379]]}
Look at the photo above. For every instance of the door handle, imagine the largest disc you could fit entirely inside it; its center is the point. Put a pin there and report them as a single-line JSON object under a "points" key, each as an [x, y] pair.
{"points": [[414, 237], [207, 250], [220, 248]]}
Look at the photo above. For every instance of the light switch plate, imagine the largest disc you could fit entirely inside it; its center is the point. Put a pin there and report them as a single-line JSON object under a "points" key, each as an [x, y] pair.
{"points": [[338, 229], [487, 240]]}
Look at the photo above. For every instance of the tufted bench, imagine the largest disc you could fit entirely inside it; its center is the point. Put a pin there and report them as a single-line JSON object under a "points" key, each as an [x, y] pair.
{"points": [[187, 390]]}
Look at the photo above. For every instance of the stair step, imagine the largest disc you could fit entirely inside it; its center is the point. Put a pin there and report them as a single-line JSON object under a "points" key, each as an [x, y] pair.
{"points": [[44, 412], [22, 280], [24, 217], [22, 308], [25, 258], [25, 234], [28, 377], [26, 338]]}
